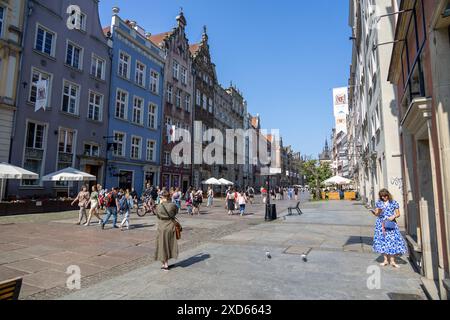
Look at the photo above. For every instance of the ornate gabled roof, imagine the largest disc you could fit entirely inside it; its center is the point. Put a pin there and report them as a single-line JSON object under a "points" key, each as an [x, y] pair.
{"points": [[158, 38]]}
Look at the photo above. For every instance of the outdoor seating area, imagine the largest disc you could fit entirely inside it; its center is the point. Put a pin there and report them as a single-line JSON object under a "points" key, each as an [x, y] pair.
{"points": [[341, 189]]}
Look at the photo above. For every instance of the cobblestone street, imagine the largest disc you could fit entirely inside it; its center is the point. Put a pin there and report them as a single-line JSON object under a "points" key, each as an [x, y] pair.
{"points": [[221, 257]]}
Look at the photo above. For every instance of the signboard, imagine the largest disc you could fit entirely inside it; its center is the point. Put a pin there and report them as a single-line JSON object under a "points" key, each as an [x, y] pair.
{"points": [[341, 123], [340, 101]]}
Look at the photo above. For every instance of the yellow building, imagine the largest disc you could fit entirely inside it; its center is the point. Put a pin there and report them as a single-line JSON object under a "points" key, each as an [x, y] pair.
{"points": [[11, 33]]}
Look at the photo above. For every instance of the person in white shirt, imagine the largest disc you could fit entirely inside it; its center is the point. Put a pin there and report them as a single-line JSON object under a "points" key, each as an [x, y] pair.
{"points": [[210, 197], [242, 201]]}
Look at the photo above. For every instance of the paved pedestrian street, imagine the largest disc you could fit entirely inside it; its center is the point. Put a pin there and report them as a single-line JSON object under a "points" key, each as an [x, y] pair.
{"points": [[221, 257]]}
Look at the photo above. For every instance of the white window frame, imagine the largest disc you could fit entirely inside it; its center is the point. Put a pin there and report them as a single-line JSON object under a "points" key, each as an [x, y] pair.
{"points": [[176, 69], [77, 98], [83, 23], [198, 98], [152, 115], [183, 75], [133, 147], [125, 104], [210, 105], [178, 98], [94, 64], [154, 82], [91, 148], [205, 101], [122, 63], [80, 58], [46, 30], [100, 106], [123, 144], [152, 159], [187, 102], [140, 74], [169, 93], [2, 20], [167, 161], [44, 150], [50, 77], [140, 109]]}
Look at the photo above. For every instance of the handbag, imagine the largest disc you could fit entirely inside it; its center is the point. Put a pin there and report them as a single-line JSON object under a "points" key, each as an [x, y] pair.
{"points": [[178, 227], [389, 225]]}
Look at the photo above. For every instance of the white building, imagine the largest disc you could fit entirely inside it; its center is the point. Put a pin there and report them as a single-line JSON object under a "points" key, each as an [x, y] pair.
{"points": [[374, 129]]}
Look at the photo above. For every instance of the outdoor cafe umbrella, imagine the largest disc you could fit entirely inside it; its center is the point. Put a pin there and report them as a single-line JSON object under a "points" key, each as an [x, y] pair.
{"points": [[10, 172], [212, 182], [337, 180], [69, 174], [225, 182]]}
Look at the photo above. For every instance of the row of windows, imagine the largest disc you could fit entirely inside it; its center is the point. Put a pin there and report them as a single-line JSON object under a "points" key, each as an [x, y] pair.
{"points": [[137, 113], [2, 20], [70, 96], [45, 43], [140, 74], [202, 100], [178, 98], [35, 145], [120, 138], [179, 72]]}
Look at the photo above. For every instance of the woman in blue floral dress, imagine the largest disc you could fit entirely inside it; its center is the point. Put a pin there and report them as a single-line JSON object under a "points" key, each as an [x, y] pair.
{"points": [[388, 242]]}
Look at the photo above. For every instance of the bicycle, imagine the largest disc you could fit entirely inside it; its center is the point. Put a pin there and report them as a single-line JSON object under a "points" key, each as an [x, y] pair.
{"points": [[141, 211]]}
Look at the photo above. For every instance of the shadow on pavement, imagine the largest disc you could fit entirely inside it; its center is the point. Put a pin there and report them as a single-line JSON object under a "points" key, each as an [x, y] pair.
{"points": [[191, 261]]}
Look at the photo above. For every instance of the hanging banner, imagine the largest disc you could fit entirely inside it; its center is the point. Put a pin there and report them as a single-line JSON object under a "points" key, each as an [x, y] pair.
{"points": [[340, 101], [41, 95]]}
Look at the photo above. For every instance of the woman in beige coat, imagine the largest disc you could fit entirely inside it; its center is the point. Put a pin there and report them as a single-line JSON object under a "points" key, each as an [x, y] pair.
{"points": [[166, 241]]}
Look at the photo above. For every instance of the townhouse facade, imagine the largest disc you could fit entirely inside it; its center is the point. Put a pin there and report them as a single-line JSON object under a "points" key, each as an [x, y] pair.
{"points": [[205, 81], [420, 69], [12, 16], [373, 146], [75, 64], [178, 102], [136, 107]]}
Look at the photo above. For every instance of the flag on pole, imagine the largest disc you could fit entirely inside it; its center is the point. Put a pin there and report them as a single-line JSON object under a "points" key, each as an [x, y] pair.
{"points": [[171, 130], [41, 95]]}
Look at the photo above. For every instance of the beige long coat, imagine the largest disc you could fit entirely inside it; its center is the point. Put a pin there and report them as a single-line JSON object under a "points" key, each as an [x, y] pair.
{"points": [[166, 241]]}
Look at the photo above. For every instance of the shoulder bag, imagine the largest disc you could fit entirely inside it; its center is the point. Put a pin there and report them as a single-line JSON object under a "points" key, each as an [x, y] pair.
{"points": [[178, 227]]}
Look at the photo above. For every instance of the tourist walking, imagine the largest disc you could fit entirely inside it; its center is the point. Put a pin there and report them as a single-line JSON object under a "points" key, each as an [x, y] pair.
{"points": [[176, 198], [166, 240], [296, 193], [230, 201], [83, 202], [112, 206], [126, 204], [188, 198], [95, 206], [210, 197], [197, 201], [388, 239], [242, 201]]}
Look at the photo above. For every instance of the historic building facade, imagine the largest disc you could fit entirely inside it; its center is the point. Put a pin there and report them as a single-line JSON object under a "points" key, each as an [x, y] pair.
{"points": [[12, 16], [373, 135], [205, 81], [75, 64], [136, 107], [178, 100], [420, 68]]}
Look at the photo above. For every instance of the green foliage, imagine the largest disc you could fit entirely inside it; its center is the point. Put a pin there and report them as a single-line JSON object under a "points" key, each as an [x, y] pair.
{"points": [[316, 173]]}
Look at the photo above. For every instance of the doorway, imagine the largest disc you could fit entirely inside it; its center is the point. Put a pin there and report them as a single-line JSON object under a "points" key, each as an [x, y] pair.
{"points": [[125, 180]]}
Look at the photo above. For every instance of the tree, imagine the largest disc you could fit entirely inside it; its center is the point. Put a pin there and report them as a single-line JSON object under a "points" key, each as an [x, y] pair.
{"points": [[316, 173]]}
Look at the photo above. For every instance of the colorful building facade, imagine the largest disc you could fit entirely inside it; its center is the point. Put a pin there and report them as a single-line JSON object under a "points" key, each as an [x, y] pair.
{"points": [[136, 107]]}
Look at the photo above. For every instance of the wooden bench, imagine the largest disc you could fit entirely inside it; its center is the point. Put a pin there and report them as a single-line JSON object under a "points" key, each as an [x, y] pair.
{"points": [[297, 208], [10, 290]]}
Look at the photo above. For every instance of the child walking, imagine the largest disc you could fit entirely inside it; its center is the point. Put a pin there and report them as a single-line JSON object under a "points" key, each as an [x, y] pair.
{"points": [[242, 200]]}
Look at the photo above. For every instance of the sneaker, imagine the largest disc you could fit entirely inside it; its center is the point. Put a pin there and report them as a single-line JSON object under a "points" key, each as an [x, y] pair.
{"points": [[103, 225], [115, 227]]}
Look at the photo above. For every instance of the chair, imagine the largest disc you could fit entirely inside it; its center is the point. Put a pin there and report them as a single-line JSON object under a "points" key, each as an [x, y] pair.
{"points": [[297, 208], [10, 289]]}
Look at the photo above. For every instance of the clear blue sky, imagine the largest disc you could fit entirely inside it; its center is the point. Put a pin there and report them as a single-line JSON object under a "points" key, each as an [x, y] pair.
{"points": [[285, 55]]}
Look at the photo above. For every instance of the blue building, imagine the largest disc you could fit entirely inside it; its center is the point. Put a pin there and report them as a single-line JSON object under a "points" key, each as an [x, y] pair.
{"points": [[135, 130]]}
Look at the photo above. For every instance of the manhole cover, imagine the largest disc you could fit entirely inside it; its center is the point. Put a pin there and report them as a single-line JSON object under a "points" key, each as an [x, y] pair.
{"points": [[404, 296], [298, 250]]}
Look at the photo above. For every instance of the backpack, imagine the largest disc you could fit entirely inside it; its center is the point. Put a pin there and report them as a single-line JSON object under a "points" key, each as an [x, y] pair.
{"points": [[109, 200], [123, 202]]}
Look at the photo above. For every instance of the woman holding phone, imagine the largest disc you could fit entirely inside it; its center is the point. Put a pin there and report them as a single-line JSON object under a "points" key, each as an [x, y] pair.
{"points": [[388, 239]]}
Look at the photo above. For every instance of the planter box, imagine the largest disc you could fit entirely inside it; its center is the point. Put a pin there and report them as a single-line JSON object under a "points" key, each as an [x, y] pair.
{"points": [[34, 207]]}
